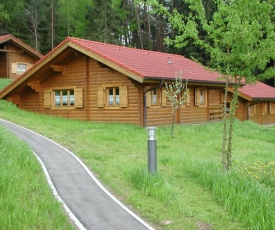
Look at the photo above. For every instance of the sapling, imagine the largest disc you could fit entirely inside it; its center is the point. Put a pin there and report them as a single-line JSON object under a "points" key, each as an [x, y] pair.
{"points": [[176, 92]]}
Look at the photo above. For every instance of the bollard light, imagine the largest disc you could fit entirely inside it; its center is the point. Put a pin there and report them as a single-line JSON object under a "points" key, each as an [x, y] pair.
{"points": [[152, 133], [152, 155]]}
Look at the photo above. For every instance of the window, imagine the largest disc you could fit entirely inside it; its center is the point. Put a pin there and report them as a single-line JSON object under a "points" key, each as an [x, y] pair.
{"points": [[64, 97], [200, 97], [112, 96], [21, 68], [228, 106], [156, 97]]}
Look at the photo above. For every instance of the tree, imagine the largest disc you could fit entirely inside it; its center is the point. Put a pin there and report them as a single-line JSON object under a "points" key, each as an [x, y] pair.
{"points": [[240, 41], [174, 93], [72, 17], [103, 19], [4, 16]]}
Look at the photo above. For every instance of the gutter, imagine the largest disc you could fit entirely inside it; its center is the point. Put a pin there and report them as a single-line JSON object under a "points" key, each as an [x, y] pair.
{"points": [[145, 102], [218, 83]]}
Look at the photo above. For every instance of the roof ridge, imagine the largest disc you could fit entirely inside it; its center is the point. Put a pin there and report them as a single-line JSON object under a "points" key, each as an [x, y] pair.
{"points": [[123, 47]]}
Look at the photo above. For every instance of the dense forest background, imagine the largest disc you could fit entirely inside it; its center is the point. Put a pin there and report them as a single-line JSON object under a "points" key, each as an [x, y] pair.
{"points": [[45, 23]]}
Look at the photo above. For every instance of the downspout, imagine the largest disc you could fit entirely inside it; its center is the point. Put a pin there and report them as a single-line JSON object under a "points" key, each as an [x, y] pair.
{"points": [[145, 102]]}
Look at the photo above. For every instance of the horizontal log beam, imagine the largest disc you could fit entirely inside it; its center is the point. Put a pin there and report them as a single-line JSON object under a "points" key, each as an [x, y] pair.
{"points": [[58, 68], [12, 51]]}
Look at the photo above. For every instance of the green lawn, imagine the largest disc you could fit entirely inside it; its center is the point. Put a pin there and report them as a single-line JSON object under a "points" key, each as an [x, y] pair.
{"points": [[190, 190], [4, 82]]}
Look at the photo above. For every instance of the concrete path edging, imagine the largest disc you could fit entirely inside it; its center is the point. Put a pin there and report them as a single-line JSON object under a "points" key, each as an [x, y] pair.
{"points": [[55, 193]]}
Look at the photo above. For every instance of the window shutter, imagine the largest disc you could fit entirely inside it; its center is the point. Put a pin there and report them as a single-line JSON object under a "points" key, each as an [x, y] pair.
{"points": [[47, 99], [29, 66], [203, 95], [148, 98], [123, 94], [78, 98], [100, 97], [254, 109], [13, 68], [187, 102], [263, 108], [163, 98], [197, 96], [272, 107]]}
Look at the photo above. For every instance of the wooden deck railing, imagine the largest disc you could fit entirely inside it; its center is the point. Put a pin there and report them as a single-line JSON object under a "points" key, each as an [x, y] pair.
{"points": [[215, 112]]}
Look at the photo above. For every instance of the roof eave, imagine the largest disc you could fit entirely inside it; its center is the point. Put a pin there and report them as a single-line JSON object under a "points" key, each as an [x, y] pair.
{"points": [[192, 81], [263, 99]]}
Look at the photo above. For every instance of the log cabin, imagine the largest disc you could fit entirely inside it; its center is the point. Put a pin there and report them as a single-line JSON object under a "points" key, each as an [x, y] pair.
{"points": [[15, 57], [257, 103], [99, 82]]}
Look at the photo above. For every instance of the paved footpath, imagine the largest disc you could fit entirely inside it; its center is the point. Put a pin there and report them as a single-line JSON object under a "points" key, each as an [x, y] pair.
{"points": [[87, 202]]}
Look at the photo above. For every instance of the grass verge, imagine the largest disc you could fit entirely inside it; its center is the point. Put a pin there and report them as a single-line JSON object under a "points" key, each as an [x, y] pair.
{"points": [[191, 190]]}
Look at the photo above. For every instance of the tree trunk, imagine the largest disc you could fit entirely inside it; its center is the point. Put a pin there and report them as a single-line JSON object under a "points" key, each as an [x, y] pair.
{"points": [[234, 104], [137, 9], [52, 24], [173, 122], [225, 125]]}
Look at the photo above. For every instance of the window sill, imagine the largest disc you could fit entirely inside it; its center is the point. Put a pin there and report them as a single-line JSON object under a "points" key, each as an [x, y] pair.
{"points": [[112, 107], [155, 107], [63, 108], [203, 106]]}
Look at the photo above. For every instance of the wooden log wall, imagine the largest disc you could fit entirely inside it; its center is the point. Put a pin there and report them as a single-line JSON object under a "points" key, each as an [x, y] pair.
{"points": [[257, 117], [18, 56], [241, 112], [3, 65], [192, 113], [101, 75], [30, 101], [267, 117], [74, 75]]}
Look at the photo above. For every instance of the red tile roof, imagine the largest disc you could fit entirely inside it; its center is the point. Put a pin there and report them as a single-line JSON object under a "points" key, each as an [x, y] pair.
{"points": [[17, 41], [258, 91], [149, 64]]}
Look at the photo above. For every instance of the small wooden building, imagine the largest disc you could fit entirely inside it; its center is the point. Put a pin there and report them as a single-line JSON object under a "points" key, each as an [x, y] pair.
{"points": [[15, 57], [100, 82], [257, 103]]}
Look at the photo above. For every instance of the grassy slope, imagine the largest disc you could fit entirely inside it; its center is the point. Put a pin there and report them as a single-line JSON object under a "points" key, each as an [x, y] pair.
{"points": [[26, 201], [190, 189], [4, 82]]}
